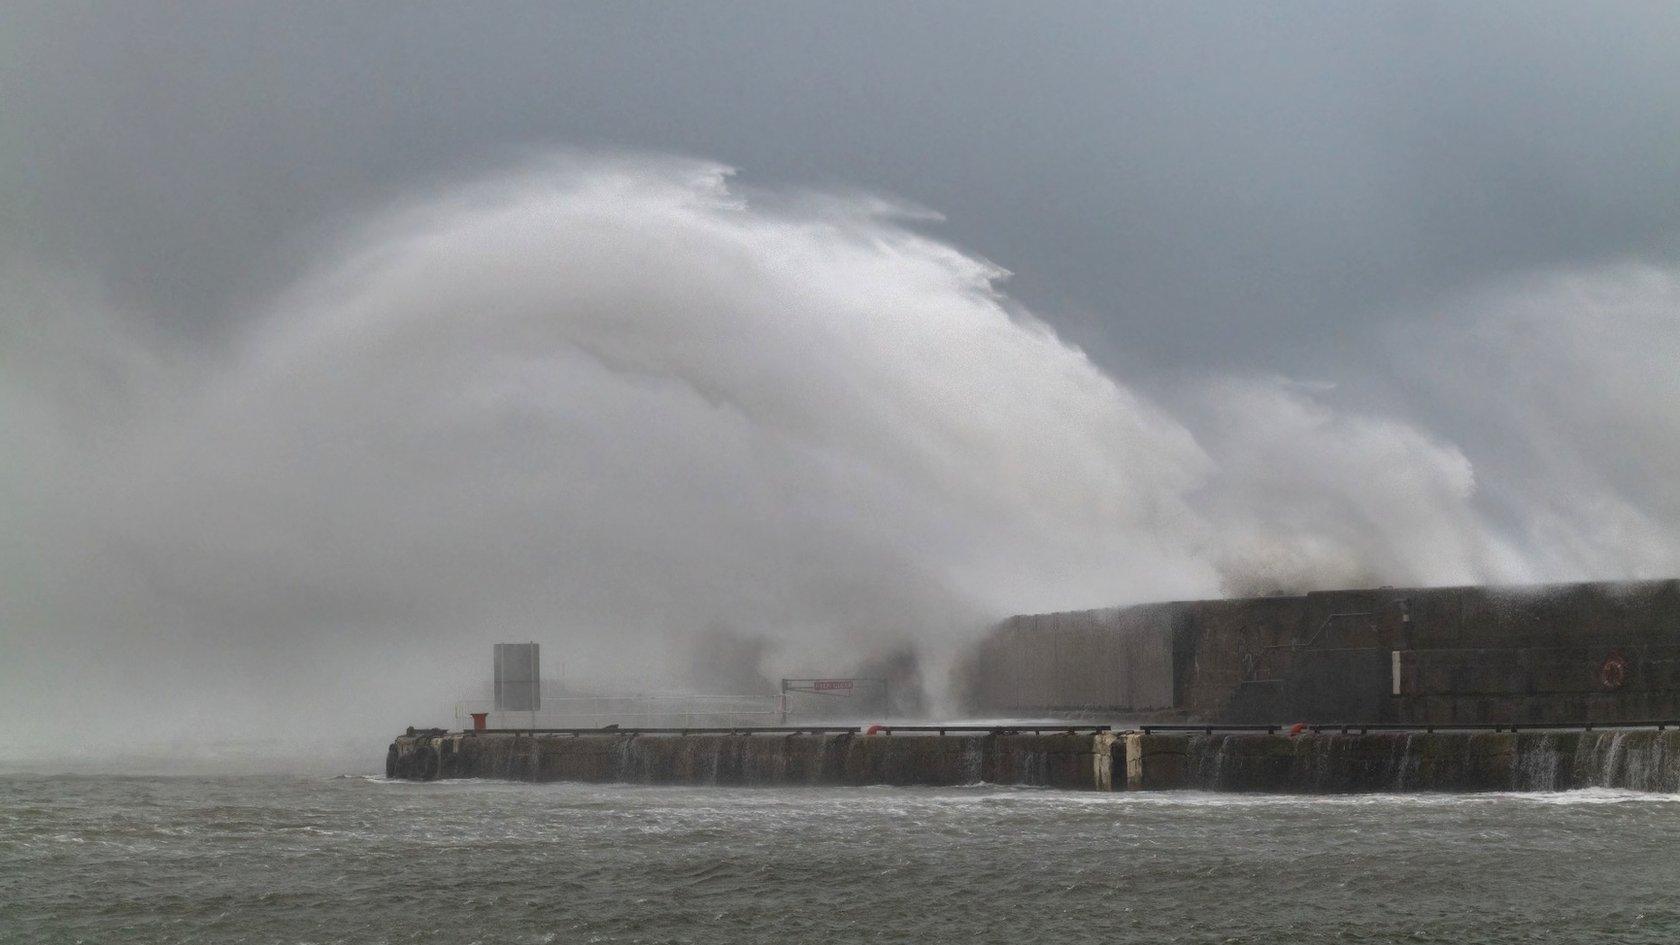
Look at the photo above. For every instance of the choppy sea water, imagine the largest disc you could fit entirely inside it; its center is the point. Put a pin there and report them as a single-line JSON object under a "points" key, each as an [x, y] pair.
{"points": [[361, 860]]}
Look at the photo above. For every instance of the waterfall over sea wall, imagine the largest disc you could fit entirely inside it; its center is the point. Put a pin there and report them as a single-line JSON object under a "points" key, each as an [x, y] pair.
{"points": [[1307, 763], [1047, 760], [1640, 760]]}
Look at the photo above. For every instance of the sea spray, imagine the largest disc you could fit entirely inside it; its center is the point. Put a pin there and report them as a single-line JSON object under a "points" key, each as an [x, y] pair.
{"points": [[611, 401]]}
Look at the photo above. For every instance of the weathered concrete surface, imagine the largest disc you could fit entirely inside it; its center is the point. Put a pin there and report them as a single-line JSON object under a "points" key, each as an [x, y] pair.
{"points": [[1154, 762], [1426, 656], [1119, 658], [1077, 761], [1330, 763], [1327, 763]]}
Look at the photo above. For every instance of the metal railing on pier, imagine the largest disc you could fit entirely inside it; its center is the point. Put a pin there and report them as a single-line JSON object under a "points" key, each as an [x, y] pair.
{"points": [[806, 730], [993, 729], [1361, 728]]}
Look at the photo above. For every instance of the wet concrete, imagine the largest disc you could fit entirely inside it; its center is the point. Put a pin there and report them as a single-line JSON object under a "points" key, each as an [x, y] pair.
{"points": [[1059, 760], [1308, 762], [1558, 655]]}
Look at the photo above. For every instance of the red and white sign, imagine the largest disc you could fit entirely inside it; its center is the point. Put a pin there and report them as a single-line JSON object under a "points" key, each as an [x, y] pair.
{"points": [[830, 685]]}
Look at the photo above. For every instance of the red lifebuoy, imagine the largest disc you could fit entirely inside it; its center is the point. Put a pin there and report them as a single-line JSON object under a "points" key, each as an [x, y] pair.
{"points": [[874, 730], [1297, 729], [1613, 673]]}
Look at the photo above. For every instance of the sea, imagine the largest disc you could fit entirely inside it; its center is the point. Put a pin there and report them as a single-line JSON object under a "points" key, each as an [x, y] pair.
{"points": [[359, 859]]}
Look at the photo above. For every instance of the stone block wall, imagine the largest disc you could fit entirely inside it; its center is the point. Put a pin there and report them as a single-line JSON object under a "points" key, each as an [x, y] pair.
{"points": [[1465, 655]]}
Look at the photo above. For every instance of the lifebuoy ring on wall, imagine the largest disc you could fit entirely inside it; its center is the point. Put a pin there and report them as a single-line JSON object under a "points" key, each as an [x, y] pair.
{"points": [[1613, 672]]}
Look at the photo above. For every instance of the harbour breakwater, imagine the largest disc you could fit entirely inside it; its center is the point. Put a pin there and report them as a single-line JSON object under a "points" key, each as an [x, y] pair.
{"points": [[1324, 762], [1399, 761], [1070, 760]]}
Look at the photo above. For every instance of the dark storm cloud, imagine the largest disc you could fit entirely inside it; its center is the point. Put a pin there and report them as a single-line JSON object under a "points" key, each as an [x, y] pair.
{"points": [[1213, 183]]}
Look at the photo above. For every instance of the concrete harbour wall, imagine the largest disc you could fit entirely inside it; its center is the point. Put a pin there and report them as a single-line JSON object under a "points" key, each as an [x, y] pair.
{"points": [[1306, 763], [1556, 655], [1072, 761], [1338, 763]]}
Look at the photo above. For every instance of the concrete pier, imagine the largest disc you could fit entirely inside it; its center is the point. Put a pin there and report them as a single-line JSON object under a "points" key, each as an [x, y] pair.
{"points": [[1391, 761], [1307, 762], [1074, 761], [1556, 655]]}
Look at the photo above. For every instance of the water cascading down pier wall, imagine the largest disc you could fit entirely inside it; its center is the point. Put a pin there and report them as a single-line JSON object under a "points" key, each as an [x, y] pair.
{"points": [[838, 758], [1326, 762], [1404, 761]]}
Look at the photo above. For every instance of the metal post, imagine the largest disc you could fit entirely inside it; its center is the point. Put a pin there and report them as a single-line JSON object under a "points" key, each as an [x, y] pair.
{"points": [[536, 697]]}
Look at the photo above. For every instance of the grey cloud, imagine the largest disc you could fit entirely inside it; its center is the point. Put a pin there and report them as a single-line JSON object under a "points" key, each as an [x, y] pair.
{"points": [[1175, 185]]}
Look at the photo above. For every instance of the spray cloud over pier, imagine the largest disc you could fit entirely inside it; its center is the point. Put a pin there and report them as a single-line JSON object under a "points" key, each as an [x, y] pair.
{"points": [[613, 401]]}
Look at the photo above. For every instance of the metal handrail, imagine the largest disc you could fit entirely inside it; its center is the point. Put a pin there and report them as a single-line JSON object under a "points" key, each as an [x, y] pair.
{"points": [[799, 729], [1317, 728], [1364, 727], [720, 730], [995, 729]]}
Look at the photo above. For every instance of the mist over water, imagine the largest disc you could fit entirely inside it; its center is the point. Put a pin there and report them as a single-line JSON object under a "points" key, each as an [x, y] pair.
{"points": [[614, 403]]}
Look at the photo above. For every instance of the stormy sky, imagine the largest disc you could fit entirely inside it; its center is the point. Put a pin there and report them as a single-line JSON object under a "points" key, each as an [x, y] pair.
{"points": [[341, 341]]}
